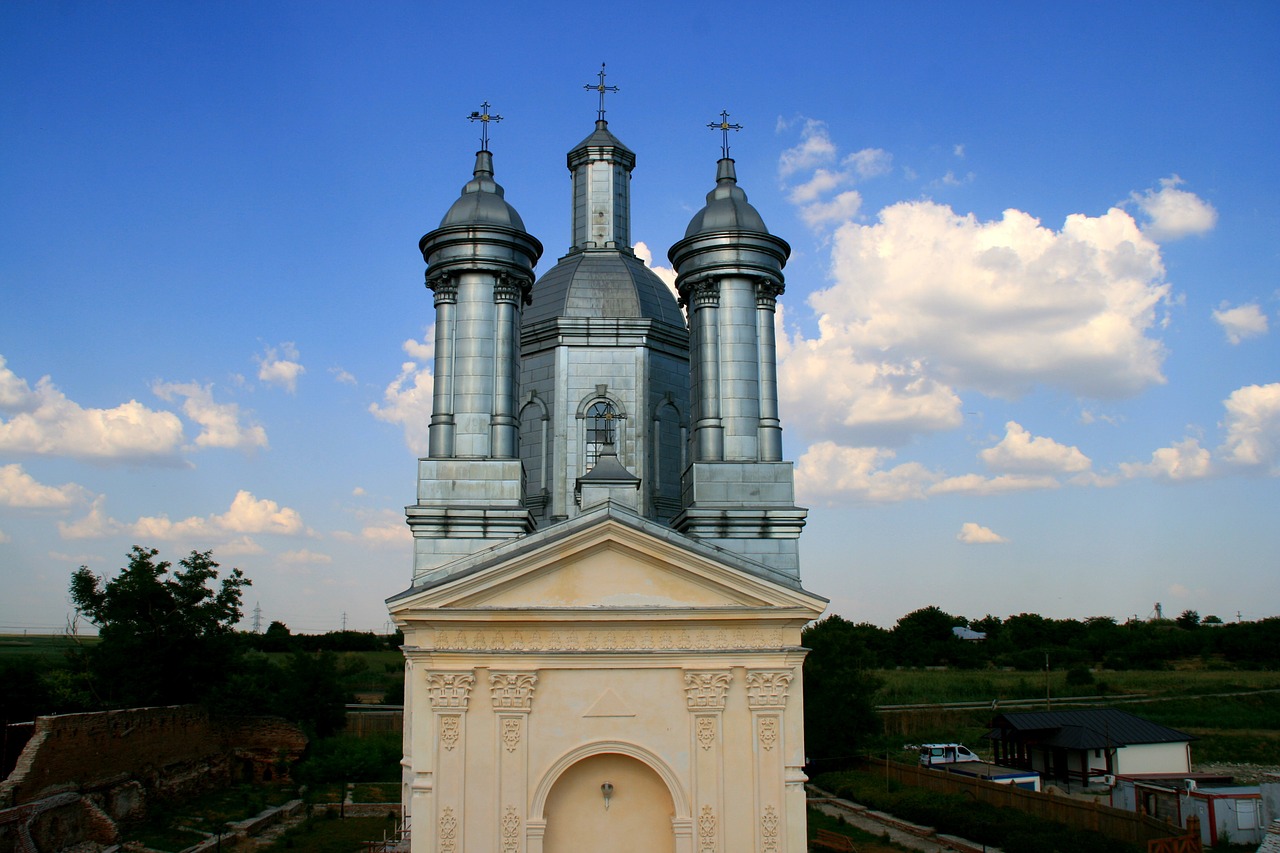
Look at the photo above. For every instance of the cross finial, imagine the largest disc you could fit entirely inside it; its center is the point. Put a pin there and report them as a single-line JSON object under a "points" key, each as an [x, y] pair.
{"points": [[482, 116], [724, 127], [601, 88]]}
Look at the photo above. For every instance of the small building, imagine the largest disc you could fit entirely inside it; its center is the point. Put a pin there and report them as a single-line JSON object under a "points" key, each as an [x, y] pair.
{"points": [[1088, 744], [1225, 811]]}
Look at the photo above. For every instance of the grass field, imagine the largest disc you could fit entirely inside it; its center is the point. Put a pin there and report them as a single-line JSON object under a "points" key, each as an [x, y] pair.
{"points": [[51, 648]]}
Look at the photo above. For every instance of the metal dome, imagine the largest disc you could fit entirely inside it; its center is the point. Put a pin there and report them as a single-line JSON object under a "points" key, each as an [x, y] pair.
{"points": [[482, 200], [602, 284], [727, 207]]}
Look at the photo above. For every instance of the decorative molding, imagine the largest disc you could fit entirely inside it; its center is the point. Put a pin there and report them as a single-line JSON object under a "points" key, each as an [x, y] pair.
{"points": [[450, 728], [448, 831], [769, 830], [706, 691], [767, 292], [605, 640], [768, 732], [510, 830], [511, 732], [449, 690], [508, 289], [767, 688], [512, 691], [707, 829], [445, 288], [706, 731], [706, 293]]}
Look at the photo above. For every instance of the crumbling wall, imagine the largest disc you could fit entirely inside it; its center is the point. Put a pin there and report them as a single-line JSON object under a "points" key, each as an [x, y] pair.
{"points": [[80, 774]]}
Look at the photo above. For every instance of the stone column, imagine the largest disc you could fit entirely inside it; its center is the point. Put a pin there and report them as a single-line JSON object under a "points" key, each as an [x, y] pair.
{"points": [[505, 427], [705, 692], [512, 697], [770, 445], [767, 698], [441, 430], [708, 430], [440, 829]]}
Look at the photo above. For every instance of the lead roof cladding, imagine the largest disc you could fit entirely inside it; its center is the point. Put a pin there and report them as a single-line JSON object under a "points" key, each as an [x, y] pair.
{"points": [[482, 200], [602, 283], [1087, 728]]}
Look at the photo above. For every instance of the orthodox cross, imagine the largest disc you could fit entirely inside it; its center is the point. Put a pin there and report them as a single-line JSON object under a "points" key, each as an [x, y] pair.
{"points": [[724, 127], [601, 88], [482, 116]]}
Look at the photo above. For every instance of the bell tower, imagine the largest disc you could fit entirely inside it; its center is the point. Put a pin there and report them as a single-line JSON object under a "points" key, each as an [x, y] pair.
{"points": [[480, 270]]}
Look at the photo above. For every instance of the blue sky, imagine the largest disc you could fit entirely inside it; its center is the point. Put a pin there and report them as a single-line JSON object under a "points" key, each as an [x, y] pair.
{"points": [[1030, 360]]}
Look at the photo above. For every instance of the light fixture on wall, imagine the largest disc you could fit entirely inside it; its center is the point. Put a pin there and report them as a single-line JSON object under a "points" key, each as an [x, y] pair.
{"points": [[607, 790]]}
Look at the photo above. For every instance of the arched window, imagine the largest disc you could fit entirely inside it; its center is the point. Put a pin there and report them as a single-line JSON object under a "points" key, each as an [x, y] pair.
{"points": [[600, 430]]}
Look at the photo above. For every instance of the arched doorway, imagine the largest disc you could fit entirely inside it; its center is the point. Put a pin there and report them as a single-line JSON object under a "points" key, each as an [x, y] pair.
{"points": [[637, 818]]}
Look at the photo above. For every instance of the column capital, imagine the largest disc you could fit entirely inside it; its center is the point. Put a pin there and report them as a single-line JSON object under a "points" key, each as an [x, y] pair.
{"points": [[705, 690], [449, 691], [512, 691], [767, 688]]}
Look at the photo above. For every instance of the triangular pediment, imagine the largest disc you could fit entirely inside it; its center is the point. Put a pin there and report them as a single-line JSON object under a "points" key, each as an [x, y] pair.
{"points": [[605, 564]]}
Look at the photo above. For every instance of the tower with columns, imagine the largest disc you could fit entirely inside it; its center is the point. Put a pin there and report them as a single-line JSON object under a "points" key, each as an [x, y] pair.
{"points": [[602, 634]]}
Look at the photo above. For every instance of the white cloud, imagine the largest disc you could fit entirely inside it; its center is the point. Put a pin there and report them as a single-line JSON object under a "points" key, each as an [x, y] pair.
{"points": [[251, 515], [1185, 460], [822, 182], [358, 491], [1253, 427], [45, 423], [304, 556], [976, 484], [94, 525], [20, 489], [280, 366], [220, 422], [870, 162], [407, 399], [341, 376], [1173, 213], [926, 301], [841, 208], [1021, 452], [1241, 322], [827, 472], [5, 537], [975, 534], [667, 274], [814, 149], [958, 151], [380, 535]]}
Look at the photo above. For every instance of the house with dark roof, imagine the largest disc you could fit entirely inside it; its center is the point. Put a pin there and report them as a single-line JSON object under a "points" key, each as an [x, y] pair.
{"points": [[1088, 743]]}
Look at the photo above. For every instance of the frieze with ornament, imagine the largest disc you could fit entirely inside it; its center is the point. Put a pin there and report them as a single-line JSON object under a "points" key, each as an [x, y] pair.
{"points": [[602, 640]]}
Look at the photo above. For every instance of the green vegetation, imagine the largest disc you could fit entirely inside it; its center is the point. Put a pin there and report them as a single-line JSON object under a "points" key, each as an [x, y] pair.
{"points": [[329, 834], [176, 826], [344, 758], [865, 841], [955, 814]]}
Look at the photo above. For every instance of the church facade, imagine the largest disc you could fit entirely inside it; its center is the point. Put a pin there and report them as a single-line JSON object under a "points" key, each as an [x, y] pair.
{"points": [[602, 635]]}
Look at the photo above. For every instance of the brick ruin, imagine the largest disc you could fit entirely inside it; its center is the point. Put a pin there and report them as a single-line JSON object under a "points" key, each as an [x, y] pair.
{"points": [[80, 775]]}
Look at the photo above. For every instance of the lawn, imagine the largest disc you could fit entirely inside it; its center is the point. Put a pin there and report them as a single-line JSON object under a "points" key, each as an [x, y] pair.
{"points": [[329, 834]]}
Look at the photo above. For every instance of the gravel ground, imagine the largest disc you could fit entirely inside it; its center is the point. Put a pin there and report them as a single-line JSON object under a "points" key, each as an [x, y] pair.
{"points": [[1245, 774]]}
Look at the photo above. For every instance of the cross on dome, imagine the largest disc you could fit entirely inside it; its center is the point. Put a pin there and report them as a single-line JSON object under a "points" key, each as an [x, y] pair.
{"points": [[724, 127], [482, 116], [601, 88]]}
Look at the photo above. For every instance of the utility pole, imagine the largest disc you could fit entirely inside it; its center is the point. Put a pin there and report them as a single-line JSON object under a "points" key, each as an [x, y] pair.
{"points": [[1048, 701], [344, 620], [257, 617]]}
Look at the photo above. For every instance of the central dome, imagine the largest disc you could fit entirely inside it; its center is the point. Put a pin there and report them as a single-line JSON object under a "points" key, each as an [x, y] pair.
{"points": [[602, 284]]}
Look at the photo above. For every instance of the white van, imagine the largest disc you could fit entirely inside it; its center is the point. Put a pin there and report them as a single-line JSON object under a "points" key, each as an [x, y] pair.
{"points": [[945, 753]]}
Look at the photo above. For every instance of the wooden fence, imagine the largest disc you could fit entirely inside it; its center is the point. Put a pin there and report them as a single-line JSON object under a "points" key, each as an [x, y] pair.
{"points": [[1112, 822]]}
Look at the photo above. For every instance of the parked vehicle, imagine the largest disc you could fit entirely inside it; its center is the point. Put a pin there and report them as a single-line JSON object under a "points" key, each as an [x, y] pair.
{"points": [[945, 753]]}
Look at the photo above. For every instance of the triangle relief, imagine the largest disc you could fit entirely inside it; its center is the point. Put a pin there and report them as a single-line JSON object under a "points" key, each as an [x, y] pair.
{"points": [[609, 705]]}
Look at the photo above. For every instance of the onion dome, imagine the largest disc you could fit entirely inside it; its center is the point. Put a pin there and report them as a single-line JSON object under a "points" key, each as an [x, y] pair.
{"points": [[727, 237], [609, 284], [481, 231]]}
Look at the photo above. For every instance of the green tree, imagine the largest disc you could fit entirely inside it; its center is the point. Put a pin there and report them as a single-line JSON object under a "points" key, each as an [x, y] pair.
{"points": [[165, 638], [839, 708], [1188, 619]]}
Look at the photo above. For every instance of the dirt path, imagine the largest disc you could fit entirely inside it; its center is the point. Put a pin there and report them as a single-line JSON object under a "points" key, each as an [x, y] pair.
{"points": [[899, 832]]}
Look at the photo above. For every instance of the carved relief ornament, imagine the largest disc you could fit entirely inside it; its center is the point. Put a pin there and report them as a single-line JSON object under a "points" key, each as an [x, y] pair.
{"points": [[449, 690], [767, 688], [706, 691], [512, 691]]}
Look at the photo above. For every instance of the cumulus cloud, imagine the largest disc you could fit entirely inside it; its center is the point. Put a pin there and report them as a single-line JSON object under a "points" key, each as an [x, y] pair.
{"points": [[870, 162], [1021, 452], [975, 534], [220, 422], [814, 149], [280, 366], [1185, 460], [926, 301], [839, 208], [20, 489], [1241, 322], [816, 180], [341, 376], [828, 472], [246, 515], [43, 422], [1173, 213], [976, 484], [1253, 428], [94, 525], [667, 274], [407, 399], [379, 535]]}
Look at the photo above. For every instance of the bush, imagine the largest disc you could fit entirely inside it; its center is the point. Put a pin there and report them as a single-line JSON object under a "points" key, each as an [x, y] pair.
{"points": [[346, 758]]}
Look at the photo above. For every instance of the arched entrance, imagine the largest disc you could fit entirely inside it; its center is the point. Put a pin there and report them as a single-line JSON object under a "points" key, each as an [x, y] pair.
{"points": [[637, 818]]}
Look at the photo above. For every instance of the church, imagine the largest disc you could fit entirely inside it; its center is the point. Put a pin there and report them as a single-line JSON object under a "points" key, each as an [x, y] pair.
{"points": [[602, 634]]}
